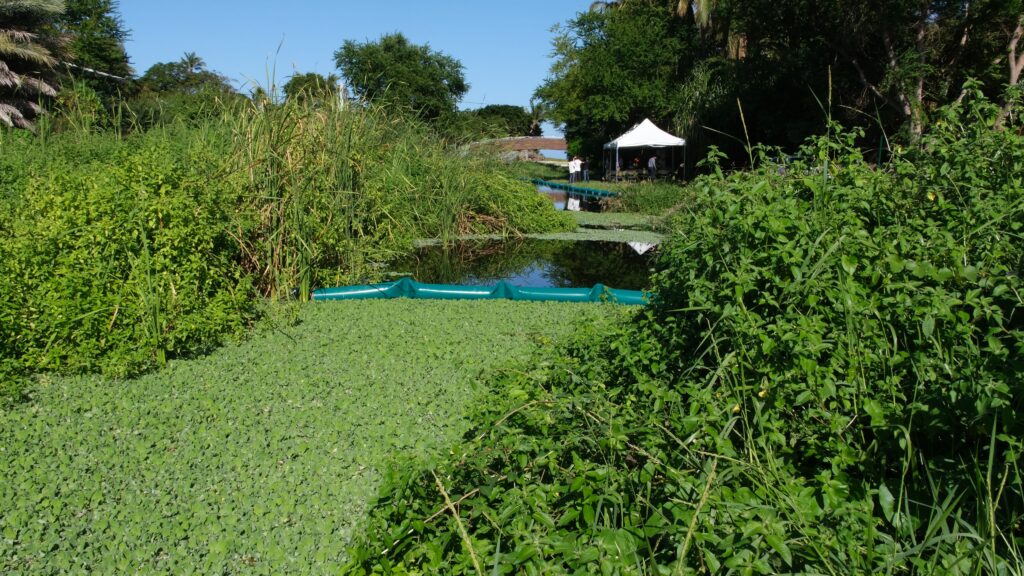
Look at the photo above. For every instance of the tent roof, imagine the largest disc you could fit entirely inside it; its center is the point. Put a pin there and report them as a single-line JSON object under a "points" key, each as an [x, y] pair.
{"points": [[645, 134]]}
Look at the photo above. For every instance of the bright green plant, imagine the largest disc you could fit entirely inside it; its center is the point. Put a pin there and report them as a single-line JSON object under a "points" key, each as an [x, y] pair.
{"points": [[261, 457], [116, 263], [828, 382]]}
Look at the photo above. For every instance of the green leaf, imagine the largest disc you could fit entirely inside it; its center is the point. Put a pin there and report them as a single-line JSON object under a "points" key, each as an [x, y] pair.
{"points": [[849, 264], [779, 545], [874, 409], [928, 326], [887, 501]]}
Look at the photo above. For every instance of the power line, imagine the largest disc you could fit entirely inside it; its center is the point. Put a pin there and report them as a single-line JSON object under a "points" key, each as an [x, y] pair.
{"points": [[96, 72]]}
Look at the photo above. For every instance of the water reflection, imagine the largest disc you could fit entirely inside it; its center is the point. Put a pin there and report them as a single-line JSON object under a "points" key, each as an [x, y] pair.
{"points": [[558, 197], [529, 262]]}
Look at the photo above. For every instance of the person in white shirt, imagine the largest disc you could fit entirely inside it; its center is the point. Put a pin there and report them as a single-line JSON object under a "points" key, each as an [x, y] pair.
{"points": [[574, 169]]}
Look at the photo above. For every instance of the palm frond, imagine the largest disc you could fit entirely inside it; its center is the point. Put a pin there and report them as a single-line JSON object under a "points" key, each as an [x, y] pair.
{"points": [[32, 53], [43, 7], [35, 87], [10, 115]]}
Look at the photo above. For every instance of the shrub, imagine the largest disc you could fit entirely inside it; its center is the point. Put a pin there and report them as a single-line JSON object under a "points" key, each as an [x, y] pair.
{"points": [[828, 382], [115, 264]]}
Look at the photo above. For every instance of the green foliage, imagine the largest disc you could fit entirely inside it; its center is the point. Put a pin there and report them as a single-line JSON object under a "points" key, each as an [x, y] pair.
{"points": [[401, 75], [311, 86], [261, 457], [883, 66], [188, 75], [655, 198], [334, 191], [613, 69], [828, 383], [507, 120], [615, 220], [96, 45], [118, 261], [118, 253], [185, 91], [543, 171]]}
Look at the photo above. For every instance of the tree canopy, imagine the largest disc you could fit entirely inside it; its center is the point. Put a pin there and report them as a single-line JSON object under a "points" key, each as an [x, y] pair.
{"points": [[394, 72], [188, 75], [507, 119], [96, 37], [726, 72], [311, 86]]}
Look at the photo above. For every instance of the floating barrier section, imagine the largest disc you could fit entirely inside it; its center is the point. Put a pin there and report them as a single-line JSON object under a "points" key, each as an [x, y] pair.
{"points": [[409, 288], [588, 193]]}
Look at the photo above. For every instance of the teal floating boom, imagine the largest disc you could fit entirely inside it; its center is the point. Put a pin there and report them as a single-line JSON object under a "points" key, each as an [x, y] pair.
{"points": [[409, 288], [589, 193]]}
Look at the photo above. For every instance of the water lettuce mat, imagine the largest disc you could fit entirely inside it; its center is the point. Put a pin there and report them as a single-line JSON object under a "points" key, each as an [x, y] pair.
{"points": [[615, 220], [262, 457], [409, 288]]}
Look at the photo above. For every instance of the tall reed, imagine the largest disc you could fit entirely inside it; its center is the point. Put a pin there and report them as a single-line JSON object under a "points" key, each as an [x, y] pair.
{"points": [[333, 189]]}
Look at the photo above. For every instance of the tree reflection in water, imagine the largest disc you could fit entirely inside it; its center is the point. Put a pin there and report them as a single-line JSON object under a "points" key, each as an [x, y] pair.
{"points": [[530, 262]]}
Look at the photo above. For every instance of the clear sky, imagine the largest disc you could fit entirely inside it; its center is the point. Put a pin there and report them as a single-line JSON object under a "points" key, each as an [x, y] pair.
{"points": [[505, 47]]}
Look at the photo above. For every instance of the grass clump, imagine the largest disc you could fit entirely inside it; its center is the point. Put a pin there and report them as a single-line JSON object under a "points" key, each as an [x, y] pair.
{"points": [[259, 458], [335, 190], [828, 383], [654, 198]]}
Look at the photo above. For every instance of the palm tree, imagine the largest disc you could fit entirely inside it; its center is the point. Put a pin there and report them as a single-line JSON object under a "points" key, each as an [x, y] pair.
{"points": [[193, 63], [700, 9], [26, 59], [539, 111]]}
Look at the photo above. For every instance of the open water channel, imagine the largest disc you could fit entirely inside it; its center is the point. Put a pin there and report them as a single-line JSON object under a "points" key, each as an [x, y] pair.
{"points": [[530, 262]]}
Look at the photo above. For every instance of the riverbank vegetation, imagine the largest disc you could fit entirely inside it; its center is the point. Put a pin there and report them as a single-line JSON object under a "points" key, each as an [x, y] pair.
{"points": [[828, 382], [120, 250]]}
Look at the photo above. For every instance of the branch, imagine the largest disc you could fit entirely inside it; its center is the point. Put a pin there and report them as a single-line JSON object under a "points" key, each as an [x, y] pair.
{"points": [[1016, 64], [1016, 61], [458, 523], [871, 86]]}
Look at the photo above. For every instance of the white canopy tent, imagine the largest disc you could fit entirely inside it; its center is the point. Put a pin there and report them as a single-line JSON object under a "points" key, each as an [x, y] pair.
{"points": [[643, 135]]}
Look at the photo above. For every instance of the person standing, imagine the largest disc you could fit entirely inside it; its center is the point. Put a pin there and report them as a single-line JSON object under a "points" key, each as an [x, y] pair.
{"points": [[585, 168], [652, 166], [573, 168]]}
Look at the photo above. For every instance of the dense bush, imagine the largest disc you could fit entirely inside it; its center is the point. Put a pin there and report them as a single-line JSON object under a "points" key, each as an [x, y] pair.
{"points": [[827, 383], [112, 264]]}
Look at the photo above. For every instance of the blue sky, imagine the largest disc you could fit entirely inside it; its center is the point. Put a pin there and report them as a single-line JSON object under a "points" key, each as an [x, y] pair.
{"points": [[505, 47]]}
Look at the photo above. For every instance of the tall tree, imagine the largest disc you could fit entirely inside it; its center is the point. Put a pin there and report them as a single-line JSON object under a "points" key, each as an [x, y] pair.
{"points": [[311, 87], [26, 58], [188, 75], [96, 37], [614, 67], [507, 119], [395, 72]]}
